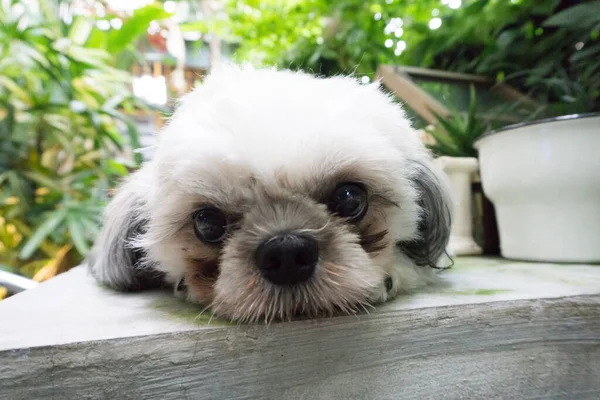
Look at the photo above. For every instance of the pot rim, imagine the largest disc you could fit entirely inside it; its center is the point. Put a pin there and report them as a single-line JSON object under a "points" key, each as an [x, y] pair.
{"points": [[536, 122]]}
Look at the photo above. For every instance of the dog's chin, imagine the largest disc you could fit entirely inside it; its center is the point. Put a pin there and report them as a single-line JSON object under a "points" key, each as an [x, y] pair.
{"points": [[199, 283], [316, 298]]}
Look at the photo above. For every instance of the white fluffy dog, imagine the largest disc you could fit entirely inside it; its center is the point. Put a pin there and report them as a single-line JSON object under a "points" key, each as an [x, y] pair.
{"points": [[276, 194]]}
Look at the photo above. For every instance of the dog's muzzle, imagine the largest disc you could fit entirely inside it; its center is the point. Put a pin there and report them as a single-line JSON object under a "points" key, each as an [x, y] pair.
{"points": [[288, 259]]}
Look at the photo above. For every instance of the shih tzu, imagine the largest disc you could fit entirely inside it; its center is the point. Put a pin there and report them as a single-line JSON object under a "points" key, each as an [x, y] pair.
{"points": [[276, 194]]}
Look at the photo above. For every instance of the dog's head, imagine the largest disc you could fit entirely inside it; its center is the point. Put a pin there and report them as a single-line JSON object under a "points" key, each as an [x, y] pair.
{"points": [[274, 193]]}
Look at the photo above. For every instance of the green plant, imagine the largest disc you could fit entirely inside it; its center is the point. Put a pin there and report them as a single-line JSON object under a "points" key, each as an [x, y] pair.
{"points": [[327, 37], [547, 49], [66, 135], [455, 134]]}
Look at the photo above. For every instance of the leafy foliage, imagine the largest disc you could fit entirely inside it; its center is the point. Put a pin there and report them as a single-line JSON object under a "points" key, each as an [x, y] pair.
{"points": [[455, 134], [325, 36], [66, 136], [121, 43], [548, 49]]}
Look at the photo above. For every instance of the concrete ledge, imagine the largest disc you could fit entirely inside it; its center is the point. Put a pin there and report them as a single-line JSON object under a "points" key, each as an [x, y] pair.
{"points": [[498, 330]]}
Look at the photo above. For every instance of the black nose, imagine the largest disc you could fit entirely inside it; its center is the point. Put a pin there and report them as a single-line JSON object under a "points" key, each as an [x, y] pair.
{"points": [[288, 259]]}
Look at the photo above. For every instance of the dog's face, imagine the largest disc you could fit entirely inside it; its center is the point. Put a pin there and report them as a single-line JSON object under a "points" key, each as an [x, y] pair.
{"points": [[273, 194]]}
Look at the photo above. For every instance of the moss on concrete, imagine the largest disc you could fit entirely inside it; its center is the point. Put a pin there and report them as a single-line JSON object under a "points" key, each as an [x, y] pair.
{"points": [[479, 292], [175, 308]]}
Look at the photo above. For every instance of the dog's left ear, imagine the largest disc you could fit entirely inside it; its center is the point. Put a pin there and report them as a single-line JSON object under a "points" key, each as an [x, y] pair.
{"points": [[435, 217], [114, 261]]}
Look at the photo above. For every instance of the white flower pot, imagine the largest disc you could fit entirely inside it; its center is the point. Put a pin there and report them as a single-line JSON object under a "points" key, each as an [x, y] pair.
{"points": [[460, 171], [544, 181]]}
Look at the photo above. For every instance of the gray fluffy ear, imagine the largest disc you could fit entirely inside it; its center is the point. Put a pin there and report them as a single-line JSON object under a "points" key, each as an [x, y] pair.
{"points": [[113, 261], [435, 218]]}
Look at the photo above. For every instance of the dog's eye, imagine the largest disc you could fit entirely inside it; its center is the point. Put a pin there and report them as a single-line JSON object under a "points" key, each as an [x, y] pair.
{"points": [[210, 225], [349, 200]]}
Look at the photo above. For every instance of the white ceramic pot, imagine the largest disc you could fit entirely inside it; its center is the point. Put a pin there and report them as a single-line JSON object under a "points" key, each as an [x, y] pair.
{"points": [[544, 180], [460, 171]]}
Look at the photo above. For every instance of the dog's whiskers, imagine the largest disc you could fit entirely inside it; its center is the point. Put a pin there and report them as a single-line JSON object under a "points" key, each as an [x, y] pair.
{"points": [[202, 311], [212, 314], [331, 281], [313, 231]]}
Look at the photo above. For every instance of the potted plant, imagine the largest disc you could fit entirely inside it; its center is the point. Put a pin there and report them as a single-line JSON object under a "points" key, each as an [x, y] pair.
{"points": [[543, 176], [453, 138]]}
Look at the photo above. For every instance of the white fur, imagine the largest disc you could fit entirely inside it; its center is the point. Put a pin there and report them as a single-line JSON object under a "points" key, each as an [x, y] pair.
{"points": [[244, 124]]}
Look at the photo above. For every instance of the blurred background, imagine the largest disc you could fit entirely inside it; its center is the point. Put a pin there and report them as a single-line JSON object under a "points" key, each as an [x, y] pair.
{"points": [[86, 84]]}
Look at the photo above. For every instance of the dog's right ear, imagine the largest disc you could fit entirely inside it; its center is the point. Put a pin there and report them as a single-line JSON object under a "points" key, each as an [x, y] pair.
{"points": [[113, 261], [435, 221]]}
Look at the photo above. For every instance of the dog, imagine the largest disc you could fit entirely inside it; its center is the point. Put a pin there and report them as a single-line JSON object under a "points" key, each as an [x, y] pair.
{"points": [[275, 194]]}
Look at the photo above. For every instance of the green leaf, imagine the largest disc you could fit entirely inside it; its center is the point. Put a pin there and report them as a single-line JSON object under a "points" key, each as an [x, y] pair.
{"points": [[314, 58], [77, 235], [585, 53], [577, 16], [196, 26], [113, 102], [91, 227], [113, 137], [444, 150], [134, 26], [80, 29], [97, 39], [18, 187], [545, 7], [8, 268], [43, 231], [131, 130], [96, 58], [472, 116], [450, 125], [42, 180], [15, 89], [117, 168]]}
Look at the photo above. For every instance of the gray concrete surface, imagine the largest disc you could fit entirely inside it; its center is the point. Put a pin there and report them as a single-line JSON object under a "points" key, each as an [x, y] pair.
{"points": [[497, 329]]}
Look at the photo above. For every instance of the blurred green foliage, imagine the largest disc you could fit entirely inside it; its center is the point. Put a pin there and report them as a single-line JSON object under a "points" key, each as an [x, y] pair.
{"points": [[325, 36], [549, 49], [65, 127]]}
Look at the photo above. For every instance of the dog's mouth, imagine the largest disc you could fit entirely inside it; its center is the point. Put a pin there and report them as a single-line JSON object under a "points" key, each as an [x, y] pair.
{"points": [[287, 304], [327, 294], [333, 289], [202, 277], [208, 271]]}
